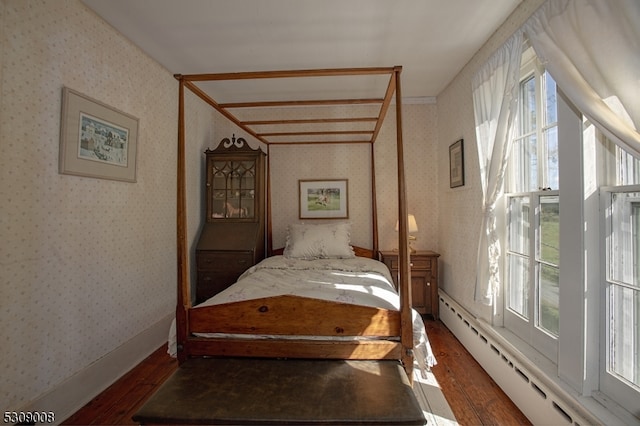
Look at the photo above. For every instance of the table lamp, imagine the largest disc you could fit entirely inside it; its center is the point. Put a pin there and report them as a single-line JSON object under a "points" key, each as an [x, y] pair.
{"points": [[413, 228]]}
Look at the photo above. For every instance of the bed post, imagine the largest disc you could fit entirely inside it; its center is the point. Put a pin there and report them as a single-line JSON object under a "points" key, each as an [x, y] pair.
{"points": [[183, 296], [374, 203], [403, 255], [268, 210]]}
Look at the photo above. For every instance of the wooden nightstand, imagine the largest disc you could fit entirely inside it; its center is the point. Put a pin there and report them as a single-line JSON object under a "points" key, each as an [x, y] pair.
{"points": [[424, 278]]}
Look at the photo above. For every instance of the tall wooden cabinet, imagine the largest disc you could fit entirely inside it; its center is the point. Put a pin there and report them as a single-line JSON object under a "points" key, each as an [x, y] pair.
{"points": [[233, 235]]}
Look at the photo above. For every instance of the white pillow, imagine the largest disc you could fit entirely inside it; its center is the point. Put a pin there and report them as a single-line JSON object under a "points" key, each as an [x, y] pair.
{"points": [[331, 240]]}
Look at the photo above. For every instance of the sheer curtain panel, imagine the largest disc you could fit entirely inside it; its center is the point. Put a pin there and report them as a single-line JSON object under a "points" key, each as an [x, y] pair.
{"points": [[495, 96]]}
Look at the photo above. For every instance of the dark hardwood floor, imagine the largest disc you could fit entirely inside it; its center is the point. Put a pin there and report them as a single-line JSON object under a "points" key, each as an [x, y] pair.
{"points": [[474, 398]]}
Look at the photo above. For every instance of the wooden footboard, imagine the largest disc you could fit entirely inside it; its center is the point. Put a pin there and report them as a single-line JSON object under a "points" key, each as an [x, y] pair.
{"points": [[297, 318], [294, 315]]}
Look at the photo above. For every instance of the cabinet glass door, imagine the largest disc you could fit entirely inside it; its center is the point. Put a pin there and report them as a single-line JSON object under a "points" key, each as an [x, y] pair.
{"points": [[233, 189]]}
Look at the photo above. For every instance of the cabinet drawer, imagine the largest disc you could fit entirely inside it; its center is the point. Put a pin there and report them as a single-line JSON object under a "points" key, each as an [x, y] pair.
{"points": [[224, 261], [420, 263], [211, 283]]}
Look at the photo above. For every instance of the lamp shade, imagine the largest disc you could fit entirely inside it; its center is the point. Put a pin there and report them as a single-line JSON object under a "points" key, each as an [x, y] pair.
{"points": [[413, 226]]}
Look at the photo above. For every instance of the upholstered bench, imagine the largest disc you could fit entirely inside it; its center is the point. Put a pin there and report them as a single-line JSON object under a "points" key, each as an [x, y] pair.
{"points": [[249, 391]]}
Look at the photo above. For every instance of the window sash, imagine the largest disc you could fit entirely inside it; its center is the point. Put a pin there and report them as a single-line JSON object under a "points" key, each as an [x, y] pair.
{"points": [[532, 286], [620, 369]]}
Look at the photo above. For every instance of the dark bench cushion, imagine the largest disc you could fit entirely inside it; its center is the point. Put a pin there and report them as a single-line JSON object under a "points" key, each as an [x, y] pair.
{"points": [[252, 391]]}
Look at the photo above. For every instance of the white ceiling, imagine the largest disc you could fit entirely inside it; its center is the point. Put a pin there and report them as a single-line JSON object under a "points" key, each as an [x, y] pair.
{"points": [[431, 39]]}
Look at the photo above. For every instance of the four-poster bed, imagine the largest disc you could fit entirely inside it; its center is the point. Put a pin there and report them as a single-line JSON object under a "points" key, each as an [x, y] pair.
{"points": [[299, 326]]}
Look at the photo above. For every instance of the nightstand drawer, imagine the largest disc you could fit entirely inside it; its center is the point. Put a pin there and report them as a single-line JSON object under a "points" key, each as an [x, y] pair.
{"points": [[224, 261], [415, 264]]}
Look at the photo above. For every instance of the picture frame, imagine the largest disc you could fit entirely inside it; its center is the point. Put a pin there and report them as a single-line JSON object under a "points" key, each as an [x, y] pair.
{"points": [[96, 140], [456, 164], [323, 199]]}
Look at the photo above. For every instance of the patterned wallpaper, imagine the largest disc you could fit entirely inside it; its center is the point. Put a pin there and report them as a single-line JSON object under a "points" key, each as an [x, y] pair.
{"points": [[85, 264], [419, 124]]}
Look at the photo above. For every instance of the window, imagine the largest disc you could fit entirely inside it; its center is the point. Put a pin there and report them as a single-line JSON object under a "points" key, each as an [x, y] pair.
{"points": [[533, 206], [620, 360], [592, 306]]}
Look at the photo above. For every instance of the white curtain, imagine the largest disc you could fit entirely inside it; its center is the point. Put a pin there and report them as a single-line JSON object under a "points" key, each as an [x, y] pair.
{"points": [[592, 50], [495, 96]]}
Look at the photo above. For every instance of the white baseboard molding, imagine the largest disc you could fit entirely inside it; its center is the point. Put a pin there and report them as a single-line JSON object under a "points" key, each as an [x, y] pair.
{"points": [[75, 392], [540, 397]]}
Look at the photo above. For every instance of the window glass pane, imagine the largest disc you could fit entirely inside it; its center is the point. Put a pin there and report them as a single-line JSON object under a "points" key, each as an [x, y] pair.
{"points": [[551, 110], [517, 170], [624, 333], [528, 115], [532, 163], [551, 158], [549, 253], [519, 285], [523, 164], [635, 225], [549, 299], [625, 237], [519, 225], [550, 132], [627, 168], [549, 248]]}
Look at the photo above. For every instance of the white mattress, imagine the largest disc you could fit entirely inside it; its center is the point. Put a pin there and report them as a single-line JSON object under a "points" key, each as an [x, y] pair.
{"points": [[358, 281]]}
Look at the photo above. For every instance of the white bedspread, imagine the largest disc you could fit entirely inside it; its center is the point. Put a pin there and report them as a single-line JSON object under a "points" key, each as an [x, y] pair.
{"points": [[358, 281]]}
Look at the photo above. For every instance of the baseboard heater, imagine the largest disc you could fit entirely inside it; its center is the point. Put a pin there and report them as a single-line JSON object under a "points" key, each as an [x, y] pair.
{"points": [[542, 404]]}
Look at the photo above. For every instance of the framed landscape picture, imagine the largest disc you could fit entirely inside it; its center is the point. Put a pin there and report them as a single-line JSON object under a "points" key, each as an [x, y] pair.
{"points": [[323, 199], [96, 140]]}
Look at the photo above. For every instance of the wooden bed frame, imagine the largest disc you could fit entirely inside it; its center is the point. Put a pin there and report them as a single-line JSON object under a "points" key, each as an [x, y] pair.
{"points": [[282, 315]]}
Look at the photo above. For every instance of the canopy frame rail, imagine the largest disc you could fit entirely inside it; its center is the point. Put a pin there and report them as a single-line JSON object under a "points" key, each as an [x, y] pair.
{"points": [[226, 109]]}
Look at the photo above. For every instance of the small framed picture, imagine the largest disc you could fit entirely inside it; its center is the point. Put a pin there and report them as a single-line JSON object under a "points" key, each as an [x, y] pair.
{"points": [[323, 199], [96, 140], [456, 164]]}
